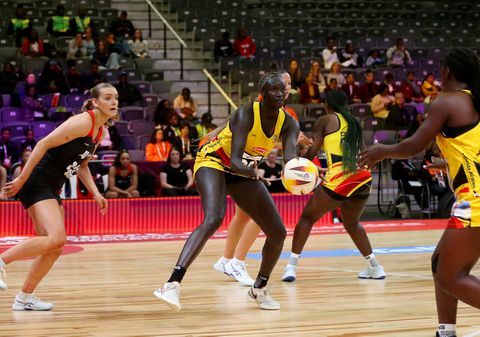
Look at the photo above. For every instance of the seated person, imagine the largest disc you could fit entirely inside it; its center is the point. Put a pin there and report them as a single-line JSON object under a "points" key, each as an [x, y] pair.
{"points": [[157, 148], [122, 177], [309, 91], [185, 105], [381, 102], [61, 24], [29, 142], [271, 171], [176, 178], [18, 167], [411, 180], [184, 143], [128, 94]]}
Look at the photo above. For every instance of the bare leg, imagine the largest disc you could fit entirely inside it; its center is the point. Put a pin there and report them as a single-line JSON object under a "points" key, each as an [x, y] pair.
{"points": [[3, 176], [457, 252], [235, 230], [47, 215], [319, 204], [250, 234], [351, 211]]}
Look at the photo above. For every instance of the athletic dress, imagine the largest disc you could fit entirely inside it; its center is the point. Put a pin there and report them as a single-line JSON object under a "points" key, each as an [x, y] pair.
{"points": [[216, 153], [461, 149], [122, 182], [339, 184], [57, 165]]}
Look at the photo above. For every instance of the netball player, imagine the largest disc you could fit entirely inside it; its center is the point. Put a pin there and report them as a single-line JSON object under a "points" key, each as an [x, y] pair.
{"points": [[60, 155], [227, 164], [453, 119], [339, 135]]}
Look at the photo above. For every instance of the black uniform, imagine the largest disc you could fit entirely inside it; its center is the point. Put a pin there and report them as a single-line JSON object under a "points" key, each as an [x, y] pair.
{"points": [[56, 166]]}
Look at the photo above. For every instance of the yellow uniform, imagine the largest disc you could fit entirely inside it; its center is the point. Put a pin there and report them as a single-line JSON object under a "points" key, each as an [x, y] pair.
{"points": [[216, 153], [343, 184], [461, 149]]}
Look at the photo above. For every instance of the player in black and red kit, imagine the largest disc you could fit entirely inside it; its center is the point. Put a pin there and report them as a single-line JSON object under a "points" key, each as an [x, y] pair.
{"points": [[62, 154]]}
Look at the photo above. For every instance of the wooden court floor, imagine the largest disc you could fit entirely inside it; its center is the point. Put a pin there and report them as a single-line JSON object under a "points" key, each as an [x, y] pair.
{"points": [[106, 290]]}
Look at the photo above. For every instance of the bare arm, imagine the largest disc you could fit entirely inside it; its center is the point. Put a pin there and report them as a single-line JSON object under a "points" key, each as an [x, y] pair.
{"points": [[134, 179], [163, 181], [240, 124], [409, 147], [290, 131], [190, 179]]}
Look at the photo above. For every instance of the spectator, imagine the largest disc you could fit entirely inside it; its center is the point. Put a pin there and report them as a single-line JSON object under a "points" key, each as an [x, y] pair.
{"points": [[9, 78], [172, 130], [74, 79], [61, 24], [223, 47], [176, 178], [318, 78], [20, 88], [18, 167], [138, 45], [123, 29], [374, 59], [183, 143], [398, 55], [332, 85], [32, 45], [105, 59], [8, 149], [89, 43], [429, 89], [157, 148], [329, 54], [381, 102], [399, 117], [52, 79], [351, 89], [411, 181], [83, 21], [390, 81], [244, 46], [184, 105], [271, 171], [162, 112], [437, 181], [77, 49], [122, 178], [19, 26], [309, 91], [417, 121], [114, 46], [204, 127], [296, 74], [128, 94], [29, 142], [368, 89], [350, 58], [93, 77], [33, 105], [411, 91], [336, 74]]}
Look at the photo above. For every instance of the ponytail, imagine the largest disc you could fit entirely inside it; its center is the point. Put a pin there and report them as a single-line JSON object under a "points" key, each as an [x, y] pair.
{"points": [[352, 140]]}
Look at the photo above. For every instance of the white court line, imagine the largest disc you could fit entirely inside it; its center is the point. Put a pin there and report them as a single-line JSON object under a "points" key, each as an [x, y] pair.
{"points": [[477, 333], [423, 277]]}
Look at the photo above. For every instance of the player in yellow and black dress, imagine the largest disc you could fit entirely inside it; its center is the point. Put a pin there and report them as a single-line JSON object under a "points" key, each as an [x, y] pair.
{"points": [[454, 120], [339, 134], [228, 164]]}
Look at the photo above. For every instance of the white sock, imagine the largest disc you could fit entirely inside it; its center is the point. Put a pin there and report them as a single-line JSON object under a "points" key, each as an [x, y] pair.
{"points": [[223, 260], [24, 295], [236, 261], [2, 264], [293, 261], [371, 260], [447, 330]]}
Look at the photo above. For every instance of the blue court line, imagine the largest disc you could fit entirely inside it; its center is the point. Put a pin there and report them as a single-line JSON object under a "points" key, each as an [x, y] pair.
{"points": [[353, 252]]}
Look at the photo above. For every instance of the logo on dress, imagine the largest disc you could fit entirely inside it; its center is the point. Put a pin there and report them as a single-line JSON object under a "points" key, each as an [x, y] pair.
{"points": [[72, 170]]}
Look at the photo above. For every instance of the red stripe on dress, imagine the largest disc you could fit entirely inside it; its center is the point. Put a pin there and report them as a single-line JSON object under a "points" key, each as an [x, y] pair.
{"points": [[223, 156], [352, 182], [464, 190], [454, 222]]}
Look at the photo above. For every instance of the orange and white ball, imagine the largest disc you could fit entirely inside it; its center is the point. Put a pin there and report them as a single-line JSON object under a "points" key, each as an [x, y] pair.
{"points": [[300, 176]]}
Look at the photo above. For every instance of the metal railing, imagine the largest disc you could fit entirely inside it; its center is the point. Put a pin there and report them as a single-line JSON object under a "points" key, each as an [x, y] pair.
{"points": [[220, 89]]}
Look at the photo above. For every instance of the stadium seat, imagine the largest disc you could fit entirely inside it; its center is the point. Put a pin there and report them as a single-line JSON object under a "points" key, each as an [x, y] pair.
{"points": [[131, 113], [42, 128], [141, 127], [9, 114]]}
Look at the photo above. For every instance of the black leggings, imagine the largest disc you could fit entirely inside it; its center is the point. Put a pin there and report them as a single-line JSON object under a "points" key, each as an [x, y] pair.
{"points": [[251, 196]]}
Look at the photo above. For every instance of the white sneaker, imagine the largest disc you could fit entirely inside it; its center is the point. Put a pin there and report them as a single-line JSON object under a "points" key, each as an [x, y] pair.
{"points": [[3, 285], [262, 297], [238, 271], [376, 273], [220, 266], [30, 303], [170, 294], [289, 274]]}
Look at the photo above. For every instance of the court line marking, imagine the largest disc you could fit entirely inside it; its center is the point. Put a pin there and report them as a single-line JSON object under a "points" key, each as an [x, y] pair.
{"points": [[476, 333], [423, 277]]}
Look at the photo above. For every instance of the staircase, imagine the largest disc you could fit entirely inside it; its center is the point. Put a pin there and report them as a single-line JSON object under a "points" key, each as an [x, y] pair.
{"points": [[195, 58]]}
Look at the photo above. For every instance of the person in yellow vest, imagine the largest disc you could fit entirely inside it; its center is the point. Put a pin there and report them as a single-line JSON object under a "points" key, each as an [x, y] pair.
{"points": [[60, 24], [454, 121], [83, 21], [228, 164], [19, 26]]}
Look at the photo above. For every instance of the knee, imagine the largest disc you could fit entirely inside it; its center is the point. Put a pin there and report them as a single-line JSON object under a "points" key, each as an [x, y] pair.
{"points": [[55, 254], [352, 227], [135, 194], [211, 224], [57, 241], [278, 236]]}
